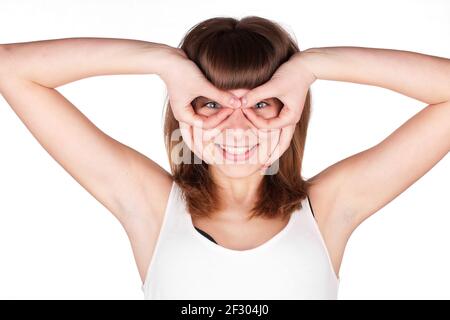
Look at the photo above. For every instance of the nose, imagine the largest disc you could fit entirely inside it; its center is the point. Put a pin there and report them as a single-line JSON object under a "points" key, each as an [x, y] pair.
{"points": [[237, 129], [236, 121]]}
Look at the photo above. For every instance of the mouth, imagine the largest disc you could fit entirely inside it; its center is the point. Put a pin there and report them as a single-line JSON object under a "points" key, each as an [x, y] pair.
{"points": [[237, 153]]}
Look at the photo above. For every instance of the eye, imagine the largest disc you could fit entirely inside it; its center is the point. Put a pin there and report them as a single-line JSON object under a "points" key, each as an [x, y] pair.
{"points": [[212, 105], [258, 105]]}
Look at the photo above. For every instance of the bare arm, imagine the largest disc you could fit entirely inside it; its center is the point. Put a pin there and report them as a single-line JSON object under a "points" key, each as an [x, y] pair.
{"points": [[419, 76], [363, 183], [116, 175], [53, 63]]}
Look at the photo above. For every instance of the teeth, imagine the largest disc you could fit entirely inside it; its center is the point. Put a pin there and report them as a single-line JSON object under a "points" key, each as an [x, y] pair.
{"points": [[235, 150]]}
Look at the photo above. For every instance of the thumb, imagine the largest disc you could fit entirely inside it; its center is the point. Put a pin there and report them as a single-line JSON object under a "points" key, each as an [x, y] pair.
{"points": [[264, 91], [223, 97]]}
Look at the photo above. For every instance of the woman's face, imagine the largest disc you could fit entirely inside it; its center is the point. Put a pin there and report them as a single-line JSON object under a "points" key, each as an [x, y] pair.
{"points": [[235, 147]]}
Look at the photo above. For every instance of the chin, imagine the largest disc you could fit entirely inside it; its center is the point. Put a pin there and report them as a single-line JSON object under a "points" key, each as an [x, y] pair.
{"points": [[237, 170]]}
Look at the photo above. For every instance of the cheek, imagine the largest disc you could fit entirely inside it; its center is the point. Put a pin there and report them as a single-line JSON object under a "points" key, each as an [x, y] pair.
{"points": [[267, 142], [201, 142], [269, 138], [194, 139]]}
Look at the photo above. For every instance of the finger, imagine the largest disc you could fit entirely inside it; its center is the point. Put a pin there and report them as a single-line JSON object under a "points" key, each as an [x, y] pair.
{"points": [[286, 117], [215, 119], [264, 91], [257, 120], [189, 116], [189, 133], [283, 144], [209, 134], [186, 133], [223, 97]]}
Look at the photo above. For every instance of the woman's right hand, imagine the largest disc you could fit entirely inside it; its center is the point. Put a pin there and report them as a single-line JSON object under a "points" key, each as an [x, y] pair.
{"points": [[185, 82]]}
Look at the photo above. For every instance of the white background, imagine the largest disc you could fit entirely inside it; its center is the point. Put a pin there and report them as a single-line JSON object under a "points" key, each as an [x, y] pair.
{"points": [[56, 241]]}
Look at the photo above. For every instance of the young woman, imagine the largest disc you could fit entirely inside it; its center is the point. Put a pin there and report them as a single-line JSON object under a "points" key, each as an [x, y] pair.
{"points": [[234, 219]]}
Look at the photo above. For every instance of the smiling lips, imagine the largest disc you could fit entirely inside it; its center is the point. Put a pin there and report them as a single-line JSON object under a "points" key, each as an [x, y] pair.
{"points": [[236, 153]]}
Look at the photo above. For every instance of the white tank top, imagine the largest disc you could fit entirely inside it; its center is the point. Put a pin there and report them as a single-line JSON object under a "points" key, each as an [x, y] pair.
{"points": [[294, 264]]}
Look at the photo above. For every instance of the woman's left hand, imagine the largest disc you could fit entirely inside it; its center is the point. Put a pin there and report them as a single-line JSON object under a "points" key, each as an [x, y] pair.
{"points": [[290, 84]]}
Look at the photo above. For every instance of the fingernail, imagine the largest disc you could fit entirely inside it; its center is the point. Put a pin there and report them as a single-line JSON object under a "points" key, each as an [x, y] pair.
{"points": [[234, 102], [244, 101]]}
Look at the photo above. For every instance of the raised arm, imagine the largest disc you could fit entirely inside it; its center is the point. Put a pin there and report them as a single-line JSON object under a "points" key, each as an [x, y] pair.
{"points": [[30, 71], [419, 76], [53, 63], [368, 180], [130, 185], [118, 176]]}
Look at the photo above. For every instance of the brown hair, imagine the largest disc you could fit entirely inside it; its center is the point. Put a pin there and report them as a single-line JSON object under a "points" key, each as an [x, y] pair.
{"points": [[234, 54]]}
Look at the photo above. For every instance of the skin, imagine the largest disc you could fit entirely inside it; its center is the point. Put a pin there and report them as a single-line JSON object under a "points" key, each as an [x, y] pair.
{"points": [[236, 130], [239, 181], [123, 180]]}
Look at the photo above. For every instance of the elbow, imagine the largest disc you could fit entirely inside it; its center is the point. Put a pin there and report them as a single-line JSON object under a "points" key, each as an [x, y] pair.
{"points": [[5, 64], [4, 49], [446, 106], [2, 54], [5, 60]]}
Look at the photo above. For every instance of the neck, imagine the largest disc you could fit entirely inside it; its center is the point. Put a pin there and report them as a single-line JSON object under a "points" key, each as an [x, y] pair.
{"points": [[237, 195]]}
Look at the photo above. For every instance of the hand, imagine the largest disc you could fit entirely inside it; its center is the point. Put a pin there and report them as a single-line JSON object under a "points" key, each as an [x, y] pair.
{"points": [[185, 82], [290, 84]]}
